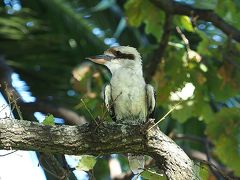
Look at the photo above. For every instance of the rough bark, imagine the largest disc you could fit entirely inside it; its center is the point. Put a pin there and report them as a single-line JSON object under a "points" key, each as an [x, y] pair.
{"points": [[106, 139]]}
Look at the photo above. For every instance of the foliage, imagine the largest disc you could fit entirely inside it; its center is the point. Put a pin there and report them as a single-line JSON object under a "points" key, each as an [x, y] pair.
{"points": [[225, 135], [152, 175], [46, 42], [86, 163], [49, 120], [138, 12]]}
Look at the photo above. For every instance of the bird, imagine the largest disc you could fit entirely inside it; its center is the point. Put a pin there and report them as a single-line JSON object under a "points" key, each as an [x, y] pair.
{"points": [[127, 97]]}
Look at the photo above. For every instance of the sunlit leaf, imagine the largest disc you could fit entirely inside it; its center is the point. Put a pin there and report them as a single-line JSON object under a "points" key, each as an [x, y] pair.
{"points": [[151, 175], [184, 22], [49, 120], [86, 163], [203, 172], [139, 11]]}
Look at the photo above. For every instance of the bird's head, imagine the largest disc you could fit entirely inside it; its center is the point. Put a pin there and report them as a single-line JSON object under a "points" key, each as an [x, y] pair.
{"points": [[119, 57]]}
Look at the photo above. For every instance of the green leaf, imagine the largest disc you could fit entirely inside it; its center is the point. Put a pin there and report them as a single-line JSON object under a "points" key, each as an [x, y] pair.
{"points": [[224, 131], [229, 11], [133, 10], [86, 162], [232, 157], [184, 22], [151, 175], [49, 120], [221, 89], [196, 107], [101, 169], [140, 11], [203, 46], [154, 21], [204, 172]]}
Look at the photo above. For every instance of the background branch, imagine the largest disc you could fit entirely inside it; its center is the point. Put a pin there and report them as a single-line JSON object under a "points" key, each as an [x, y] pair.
{"points": [[172, 7], [152, 67], [69, 116]]}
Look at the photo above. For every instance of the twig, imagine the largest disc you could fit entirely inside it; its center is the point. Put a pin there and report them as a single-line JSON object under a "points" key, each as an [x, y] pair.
{"points": [[174, 107], [89, 112], [2, 155], [185, 40], [7, 105], [209, 158]]}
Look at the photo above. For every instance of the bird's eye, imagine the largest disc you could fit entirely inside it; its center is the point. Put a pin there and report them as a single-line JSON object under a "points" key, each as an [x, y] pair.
{"points": [[118, 53]]}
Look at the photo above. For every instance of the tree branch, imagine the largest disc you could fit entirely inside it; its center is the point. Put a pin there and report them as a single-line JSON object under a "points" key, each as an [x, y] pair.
{"points": [[172, 7], [107, 139], [151, 68]]}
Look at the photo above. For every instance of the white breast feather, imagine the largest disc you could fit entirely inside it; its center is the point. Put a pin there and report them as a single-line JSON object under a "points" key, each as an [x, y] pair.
{"points": [[129, 95]]}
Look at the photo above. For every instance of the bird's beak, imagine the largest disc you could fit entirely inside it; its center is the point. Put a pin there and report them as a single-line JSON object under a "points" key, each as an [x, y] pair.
{"points": [[100, 59]]}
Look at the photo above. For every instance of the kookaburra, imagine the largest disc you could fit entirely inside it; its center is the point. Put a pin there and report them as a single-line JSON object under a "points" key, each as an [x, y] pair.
{"points": [[127, 97]]}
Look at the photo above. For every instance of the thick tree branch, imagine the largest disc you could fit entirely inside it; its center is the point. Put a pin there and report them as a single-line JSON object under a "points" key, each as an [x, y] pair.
{"points": [[172, 7], [108, 138]]}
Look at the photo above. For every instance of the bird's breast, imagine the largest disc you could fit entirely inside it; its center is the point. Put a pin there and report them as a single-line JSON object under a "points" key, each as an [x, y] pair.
{"points": [[129, 97]]}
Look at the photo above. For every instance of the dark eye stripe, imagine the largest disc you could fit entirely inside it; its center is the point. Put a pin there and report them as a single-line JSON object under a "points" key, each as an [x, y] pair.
{"points": [[119, 55]]}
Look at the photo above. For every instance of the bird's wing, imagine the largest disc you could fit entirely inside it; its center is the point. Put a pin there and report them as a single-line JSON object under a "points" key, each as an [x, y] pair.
{"points": [[151, 100], [108, 101]]}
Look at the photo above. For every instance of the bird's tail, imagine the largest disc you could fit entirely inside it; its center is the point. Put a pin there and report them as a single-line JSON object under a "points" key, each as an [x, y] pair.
{"points": [[136, 163]]}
